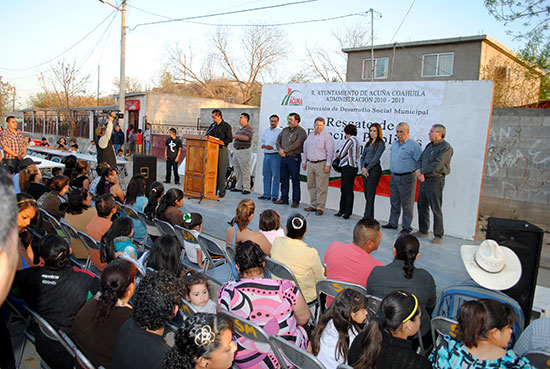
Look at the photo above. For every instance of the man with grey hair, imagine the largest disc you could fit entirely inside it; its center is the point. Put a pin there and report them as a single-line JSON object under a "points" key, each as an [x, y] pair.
{"points": [[318, 154], [433, 166], [404, 154]]}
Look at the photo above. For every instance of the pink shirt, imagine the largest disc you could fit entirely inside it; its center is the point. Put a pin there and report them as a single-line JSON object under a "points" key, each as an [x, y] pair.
{"points": [[347, 262]]}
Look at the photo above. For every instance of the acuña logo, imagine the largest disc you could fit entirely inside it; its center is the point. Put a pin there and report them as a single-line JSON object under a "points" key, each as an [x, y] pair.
{"points": [[291, 98]]}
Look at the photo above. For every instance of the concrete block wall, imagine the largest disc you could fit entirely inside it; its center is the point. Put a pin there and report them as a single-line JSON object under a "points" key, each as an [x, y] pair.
{"points": [[516, 184]]}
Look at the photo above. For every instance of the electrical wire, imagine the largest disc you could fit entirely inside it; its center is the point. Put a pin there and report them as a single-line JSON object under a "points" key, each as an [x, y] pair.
{"points": [[398, 28], [169, 20], [62, 53], [276, 24]]}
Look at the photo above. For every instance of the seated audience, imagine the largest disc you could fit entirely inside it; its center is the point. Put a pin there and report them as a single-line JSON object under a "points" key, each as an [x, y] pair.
{"points": [[44, 142], [80, 175], [70, 164], [193, 251], [56, 291], [73, 145], [302, 260], [23, 164], [106, 208], [195, 287], [62, 144], [536, 337], [401, 274], [270, 225], [55, 201], [100, 168], [483, 333], [108, 183], [165, 255], [338, 327], [28, 212], [140, 342], [204, 341], [92, 149], [155, 194], [383, 344], [30, 181], [352, 262], [283, 307], [79, 211], [9, 256], [135, 199], [239, 231], [97, 324], [116, 241], [168, 208]]}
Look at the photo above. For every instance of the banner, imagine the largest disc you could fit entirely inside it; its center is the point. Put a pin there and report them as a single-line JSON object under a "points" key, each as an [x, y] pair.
{"points": [[457, 105]]}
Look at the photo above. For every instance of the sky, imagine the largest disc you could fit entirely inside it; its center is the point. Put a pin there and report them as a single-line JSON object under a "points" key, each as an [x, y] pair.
{"points": [[36, 32]]}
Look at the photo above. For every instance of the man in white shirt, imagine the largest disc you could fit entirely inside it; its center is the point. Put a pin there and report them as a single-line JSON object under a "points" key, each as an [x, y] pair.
{"points": [[272, 160]]}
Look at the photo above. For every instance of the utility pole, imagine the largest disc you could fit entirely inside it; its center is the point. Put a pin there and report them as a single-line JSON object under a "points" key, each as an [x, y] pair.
{"points": [[13, 104], [371, 10], [122, 95], [98, 70]]}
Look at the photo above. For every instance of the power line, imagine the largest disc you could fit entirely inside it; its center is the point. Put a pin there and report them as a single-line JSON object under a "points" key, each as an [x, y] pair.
{"points": [[276, 24], [64, 52], [398, 28], [169, 20]]}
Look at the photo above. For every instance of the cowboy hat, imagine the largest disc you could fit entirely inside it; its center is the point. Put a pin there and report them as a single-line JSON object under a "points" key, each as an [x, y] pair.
{"points": [[491, 266]]}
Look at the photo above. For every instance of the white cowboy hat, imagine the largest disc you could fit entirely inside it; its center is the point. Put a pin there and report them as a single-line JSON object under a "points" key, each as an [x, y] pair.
{"points": [[491, 266]]}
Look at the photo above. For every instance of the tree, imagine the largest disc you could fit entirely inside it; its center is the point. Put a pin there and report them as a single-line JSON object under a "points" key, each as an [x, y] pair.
{"points": [[132, 85], [329, 63], [535, 15], [537, 52], [261, 48], [63, 86], [6, 96]]}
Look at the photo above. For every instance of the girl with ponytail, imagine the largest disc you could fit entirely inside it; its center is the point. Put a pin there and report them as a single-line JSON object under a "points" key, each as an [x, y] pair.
{"points": [[96, 325], [168, 209], [30, 181], [155, 193], [239, 231], [402, 274], [383, 344], [204, 341]]}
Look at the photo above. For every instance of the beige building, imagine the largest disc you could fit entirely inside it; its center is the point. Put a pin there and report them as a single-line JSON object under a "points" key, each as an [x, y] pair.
{"points": [[460, 58]]}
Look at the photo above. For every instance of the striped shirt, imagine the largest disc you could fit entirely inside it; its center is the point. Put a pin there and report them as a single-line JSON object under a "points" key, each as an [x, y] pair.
{"points": [[349, 153]]}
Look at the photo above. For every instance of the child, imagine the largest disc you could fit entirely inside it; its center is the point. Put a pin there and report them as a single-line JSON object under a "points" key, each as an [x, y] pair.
{"points": [[193, 222], [139, 142], [270, 225], [116, 241], [337, 328], [120, 153], [92, 150], [196, 292]]}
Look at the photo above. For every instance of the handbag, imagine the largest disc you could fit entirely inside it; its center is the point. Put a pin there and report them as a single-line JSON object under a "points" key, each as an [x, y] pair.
{"points": [[335, 165]]}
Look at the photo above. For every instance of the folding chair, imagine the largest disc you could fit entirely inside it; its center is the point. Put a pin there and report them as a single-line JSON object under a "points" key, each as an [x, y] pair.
{"points": [[539, 359], [187, 309], [60, 231], [374, 304], [95, 266], [253, 332], [152, 229], [292, 353], [344, 366], [49, 331], [82, 360], [441, 326], [120, 208], [281, 271], [217, 265], [79, 249], [135, 217], [331, 288], [56, 159], [183, 236], [164, 227]]}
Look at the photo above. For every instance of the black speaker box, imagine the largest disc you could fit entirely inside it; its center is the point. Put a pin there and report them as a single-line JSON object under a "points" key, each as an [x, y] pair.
{"points": [[146, 165], [525, 239]]}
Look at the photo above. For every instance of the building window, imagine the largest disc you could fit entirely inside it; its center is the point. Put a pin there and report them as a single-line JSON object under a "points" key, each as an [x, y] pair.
{"points": [[380, 68], [437, 65]]}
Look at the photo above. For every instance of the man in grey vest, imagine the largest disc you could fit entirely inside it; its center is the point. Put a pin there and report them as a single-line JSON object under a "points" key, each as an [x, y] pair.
{"points": [[433, 166]]}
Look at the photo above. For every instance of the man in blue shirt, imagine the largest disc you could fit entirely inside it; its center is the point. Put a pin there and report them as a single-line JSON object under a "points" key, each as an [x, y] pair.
{"points": [[403, 163]]}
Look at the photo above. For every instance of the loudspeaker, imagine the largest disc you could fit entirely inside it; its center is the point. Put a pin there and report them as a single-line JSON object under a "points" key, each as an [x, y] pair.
{"points": [[525, 239], [146, 165]]}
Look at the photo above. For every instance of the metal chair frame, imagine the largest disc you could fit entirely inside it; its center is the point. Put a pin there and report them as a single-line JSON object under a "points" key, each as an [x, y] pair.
{"points": [[183, 235], [295, 355]]}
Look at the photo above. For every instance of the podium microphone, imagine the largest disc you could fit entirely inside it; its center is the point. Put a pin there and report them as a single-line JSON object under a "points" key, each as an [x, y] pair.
{"points": [[209, 129]]}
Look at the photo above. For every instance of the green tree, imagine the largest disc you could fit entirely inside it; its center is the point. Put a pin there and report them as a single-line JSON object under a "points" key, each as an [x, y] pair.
{"points": [[6, 96], [534, 15], [537, 52]]}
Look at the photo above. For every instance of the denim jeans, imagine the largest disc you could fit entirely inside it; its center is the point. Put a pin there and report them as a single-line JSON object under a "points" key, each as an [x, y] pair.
{"points": [[271, 173], [290, 169]]}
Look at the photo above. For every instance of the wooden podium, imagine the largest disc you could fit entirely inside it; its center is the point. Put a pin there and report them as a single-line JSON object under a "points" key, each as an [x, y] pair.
{"points": [[201, 166]]}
